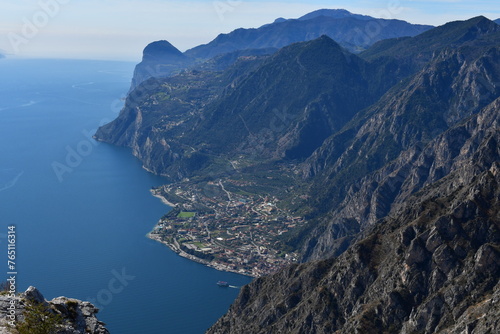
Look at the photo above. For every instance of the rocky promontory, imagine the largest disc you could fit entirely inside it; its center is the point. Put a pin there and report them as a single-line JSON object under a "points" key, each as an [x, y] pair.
{"points": [[72, 316]]}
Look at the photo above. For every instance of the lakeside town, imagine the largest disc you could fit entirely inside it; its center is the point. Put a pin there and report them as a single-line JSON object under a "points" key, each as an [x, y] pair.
{"points": [[229, 230]]}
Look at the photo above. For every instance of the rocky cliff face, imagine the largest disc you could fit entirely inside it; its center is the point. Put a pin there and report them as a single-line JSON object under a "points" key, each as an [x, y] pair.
{"points": [[160, 59], [453, 87], [280, 107], [430, 266], [78, 317]]}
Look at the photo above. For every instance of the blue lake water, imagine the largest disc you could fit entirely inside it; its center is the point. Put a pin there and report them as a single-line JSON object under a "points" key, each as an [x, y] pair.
{"points": [[82, 209]]}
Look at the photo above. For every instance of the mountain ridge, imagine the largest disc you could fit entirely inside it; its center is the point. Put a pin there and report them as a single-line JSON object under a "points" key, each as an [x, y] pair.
{"points": [[275, 35], [334, 13], [322, 62], [352, 31]]}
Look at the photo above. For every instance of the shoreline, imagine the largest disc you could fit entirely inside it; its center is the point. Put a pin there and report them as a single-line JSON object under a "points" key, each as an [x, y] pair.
{"points": [[164, 200], [183, 254], [176, 248]]}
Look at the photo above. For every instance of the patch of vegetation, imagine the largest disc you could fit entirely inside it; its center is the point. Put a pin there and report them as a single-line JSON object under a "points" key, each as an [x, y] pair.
{"points": [[38, 319]]}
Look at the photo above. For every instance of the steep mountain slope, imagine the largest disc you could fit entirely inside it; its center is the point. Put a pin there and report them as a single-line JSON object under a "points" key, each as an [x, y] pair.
{"points": [[431, 266], [457, 83], [281, 109], [315, 101], [158, 111], [314, 86]]}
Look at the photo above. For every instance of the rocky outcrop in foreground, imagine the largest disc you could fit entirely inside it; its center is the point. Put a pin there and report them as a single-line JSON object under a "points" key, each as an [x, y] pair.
{"points": [[78, 317]]}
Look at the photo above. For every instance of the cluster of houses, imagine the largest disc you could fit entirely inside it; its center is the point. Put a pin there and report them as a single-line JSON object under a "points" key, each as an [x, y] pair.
{"points": [[237, 233]]}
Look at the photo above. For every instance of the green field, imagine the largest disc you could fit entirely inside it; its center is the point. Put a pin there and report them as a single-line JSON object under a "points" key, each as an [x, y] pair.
{"points": [[186, 214]]}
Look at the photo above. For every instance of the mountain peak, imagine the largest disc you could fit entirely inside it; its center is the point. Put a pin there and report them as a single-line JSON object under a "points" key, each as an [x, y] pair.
{"points": [[480, 20], [160, 59], [339, 24], [161, 50], [334, 13], [323, 47], [325, 39]]}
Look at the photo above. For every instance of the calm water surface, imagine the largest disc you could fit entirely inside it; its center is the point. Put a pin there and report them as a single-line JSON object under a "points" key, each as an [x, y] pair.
{"points": [[82, 209]]}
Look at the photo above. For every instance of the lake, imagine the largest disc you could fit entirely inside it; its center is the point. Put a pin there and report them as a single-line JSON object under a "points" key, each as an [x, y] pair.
{"points": [[82, 208]]}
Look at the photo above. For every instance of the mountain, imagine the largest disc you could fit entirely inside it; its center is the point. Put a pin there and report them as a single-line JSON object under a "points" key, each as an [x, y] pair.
{"points": [[456, 83], [73, 316], [432, 266], [457, 33], [349, 30], [334, 13], [159, 59], [249, 111], [412, 246], [267, 113], [497, 21], [284, 108], [352, 31], [391, 156]]}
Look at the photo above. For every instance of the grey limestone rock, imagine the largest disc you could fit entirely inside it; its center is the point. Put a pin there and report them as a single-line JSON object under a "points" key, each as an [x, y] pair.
{"points": [[79, 317]]}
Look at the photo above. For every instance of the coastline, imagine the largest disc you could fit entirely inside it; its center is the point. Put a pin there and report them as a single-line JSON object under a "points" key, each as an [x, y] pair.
{"points": [[180, 252], [164, 200]]}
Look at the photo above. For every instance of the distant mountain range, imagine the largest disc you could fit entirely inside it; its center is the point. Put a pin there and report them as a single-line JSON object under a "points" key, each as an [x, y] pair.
{"points": [[352, 31], [394, 156], [497, 21]]}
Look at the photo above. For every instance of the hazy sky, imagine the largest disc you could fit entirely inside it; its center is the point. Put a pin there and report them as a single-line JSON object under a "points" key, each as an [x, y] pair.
{"points": [[120, 29]]}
